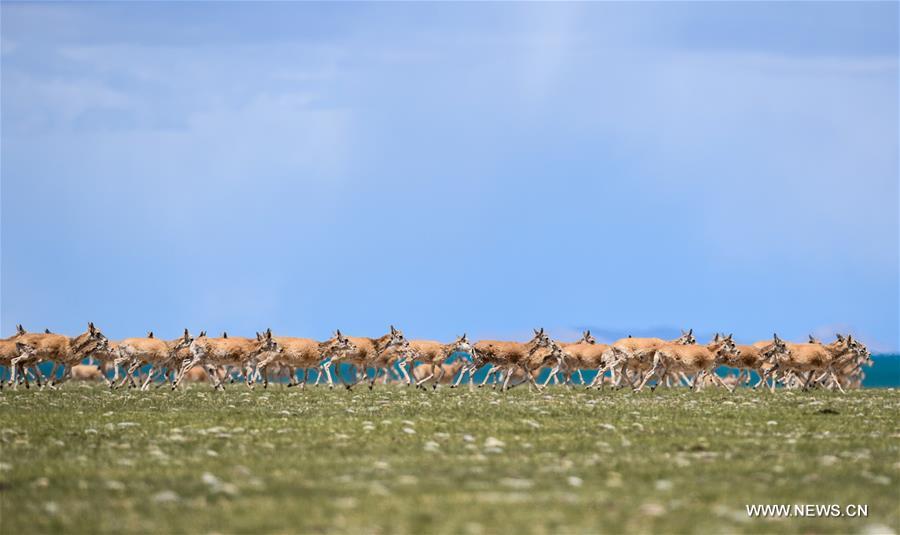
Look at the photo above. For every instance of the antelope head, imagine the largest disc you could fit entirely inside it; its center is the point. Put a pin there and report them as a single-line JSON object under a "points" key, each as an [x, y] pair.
{"points": [[90, 341], [776, 350], [587, 338], [337, 345], [556, 352], [198, 345], [686, 338], [540, 340], [461, 345], [267, 343], [183, 342], [723, 347], [396, 340]]}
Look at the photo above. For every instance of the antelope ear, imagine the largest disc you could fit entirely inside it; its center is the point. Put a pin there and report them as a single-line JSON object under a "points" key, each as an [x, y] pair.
{"points": [[839, 337], [149, 334], [690, 331], [393, 330], [46, 331], [269, 333], [91, 327], [731, 336], [849, 339], [258, 336], [716, 338], [337, 333], [202, 333]]}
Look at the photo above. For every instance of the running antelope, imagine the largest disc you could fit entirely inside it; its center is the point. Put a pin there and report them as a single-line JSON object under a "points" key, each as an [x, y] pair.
{"points": [[574, 363], [691, 359], [372, 352], [637, 354], [61, 350], [590, 356], [434, 354], [159, 354], [811, 358], [753, 358], [212, 353], [303, 354], [9, 351], [507, 356]]}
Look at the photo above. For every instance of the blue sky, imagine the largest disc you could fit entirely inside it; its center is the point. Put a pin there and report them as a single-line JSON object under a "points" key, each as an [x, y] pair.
{"points": [[489, 168]]}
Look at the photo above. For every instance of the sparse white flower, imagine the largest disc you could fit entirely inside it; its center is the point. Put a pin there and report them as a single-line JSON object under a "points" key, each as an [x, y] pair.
{"points": [[516, 483], [166, 496]]}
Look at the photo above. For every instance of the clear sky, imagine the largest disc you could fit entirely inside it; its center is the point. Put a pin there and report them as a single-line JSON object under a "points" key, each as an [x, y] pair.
{"points": [[489, 168]]}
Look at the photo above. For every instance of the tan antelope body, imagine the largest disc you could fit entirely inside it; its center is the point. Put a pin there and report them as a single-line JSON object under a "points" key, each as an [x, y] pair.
{"points": [[753, 358], [810, 358], [378, 353], [579, 355], [586, 356], [691, 359], [434, 354], [159, 354], [443, 373], [507, 356], [86, 372], [637, 354], [9, 351], [214, 353], [303, 354], [59, 349]]}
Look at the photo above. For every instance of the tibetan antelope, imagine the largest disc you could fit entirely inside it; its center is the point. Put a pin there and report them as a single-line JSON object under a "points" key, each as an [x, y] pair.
{"points": [[372, 352], [161, 355], [59, 349], [636, 354], [9, 351], [303, 354], [434, 355], [814, 358], [691, 359], [213, 353], [507, 356]]}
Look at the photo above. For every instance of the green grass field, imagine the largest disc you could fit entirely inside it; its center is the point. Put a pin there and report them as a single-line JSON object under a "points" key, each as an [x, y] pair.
{"points": [[395, 460]]}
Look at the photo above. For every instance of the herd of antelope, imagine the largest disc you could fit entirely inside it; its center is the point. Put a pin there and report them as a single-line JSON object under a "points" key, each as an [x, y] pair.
{"points": [[635, 362]]}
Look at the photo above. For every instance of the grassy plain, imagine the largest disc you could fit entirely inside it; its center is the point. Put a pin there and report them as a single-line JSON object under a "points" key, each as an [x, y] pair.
{"points": [[395, 460]]}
